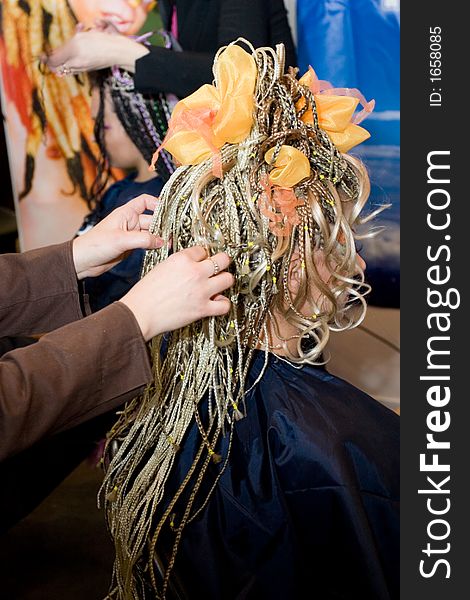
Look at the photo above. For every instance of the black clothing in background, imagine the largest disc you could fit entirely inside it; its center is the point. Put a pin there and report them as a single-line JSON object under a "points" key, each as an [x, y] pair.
{"points": [[203, 27]]}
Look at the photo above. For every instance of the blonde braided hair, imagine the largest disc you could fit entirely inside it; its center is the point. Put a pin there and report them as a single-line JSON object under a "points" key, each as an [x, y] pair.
{"points": [[210, 359]]}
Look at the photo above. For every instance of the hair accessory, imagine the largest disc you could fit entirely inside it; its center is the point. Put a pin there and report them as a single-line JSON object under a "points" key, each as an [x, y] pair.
{"points": [[144, 38], [279, 205], [335, 109], [215, 114], [290, 166]]}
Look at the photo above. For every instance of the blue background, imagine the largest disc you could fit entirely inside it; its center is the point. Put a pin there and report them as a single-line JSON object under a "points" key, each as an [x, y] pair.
{"points": [[356, 43]]}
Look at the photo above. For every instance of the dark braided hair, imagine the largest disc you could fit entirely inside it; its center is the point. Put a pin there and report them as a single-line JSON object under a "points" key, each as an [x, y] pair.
{"points": [[144, 118]]}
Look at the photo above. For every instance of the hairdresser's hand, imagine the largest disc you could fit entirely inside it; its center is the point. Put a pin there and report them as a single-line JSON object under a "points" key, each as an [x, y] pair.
{"points": [[94, 50], [180, 290], [107, 243]]}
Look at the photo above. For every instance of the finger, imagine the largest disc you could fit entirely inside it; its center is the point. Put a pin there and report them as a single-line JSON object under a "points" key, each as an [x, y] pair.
{"points": [[140, 239], [216, 263], [220, 283], [219, 307], [196, 253], [142, 203], [55, 59], [145, 221]]}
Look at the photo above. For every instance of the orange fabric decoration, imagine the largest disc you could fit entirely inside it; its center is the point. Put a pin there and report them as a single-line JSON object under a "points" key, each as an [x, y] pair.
{"points": [[335, 109], [290, 168], [214, 114], [279, 206]]}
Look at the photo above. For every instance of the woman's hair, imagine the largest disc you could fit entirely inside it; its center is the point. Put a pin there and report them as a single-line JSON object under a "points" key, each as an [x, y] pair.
{"points": [[269, 233], [143, 117]]}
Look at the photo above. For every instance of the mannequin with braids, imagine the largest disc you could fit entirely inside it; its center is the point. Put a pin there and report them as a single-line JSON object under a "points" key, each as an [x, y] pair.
{"points": [[246, 470], [128, 127]]}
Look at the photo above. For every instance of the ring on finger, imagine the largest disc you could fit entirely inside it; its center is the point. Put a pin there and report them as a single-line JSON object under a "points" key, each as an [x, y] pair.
{"points": [[216, 266], [63, 70]]}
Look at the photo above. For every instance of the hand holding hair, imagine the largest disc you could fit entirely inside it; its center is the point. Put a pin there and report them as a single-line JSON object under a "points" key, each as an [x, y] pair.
{"points": [[125, 229], [184, 288]]}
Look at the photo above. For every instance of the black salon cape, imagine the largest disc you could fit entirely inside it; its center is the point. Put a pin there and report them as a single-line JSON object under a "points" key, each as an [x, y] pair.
{"points": [[308, 505]]}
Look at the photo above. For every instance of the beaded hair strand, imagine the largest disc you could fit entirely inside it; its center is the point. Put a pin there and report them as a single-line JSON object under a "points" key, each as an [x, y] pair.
{"points": [[211, 358], [144, 118]]}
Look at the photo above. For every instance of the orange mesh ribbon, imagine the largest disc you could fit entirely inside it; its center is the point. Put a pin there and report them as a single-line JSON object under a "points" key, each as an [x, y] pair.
{"points": [[279, 206]]}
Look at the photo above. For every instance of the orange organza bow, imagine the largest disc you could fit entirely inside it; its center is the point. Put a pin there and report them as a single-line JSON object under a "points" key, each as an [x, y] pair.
{"points": [[291, 166], [214, 114], [335, 109]]}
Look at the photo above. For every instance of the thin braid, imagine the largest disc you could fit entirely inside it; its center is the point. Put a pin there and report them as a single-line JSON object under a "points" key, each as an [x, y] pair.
{"points": [[143, 119], [103, 169]]}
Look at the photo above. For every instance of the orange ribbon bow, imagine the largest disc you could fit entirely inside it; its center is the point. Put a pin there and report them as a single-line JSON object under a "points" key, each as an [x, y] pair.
{"points": [[279, 205], [335, 109], [291, 166], [214, 114]]}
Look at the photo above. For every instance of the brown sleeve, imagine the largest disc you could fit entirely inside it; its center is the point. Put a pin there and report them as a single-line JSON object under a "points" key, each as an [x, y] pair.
{"points": [[72, 374], [38, 291]]}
